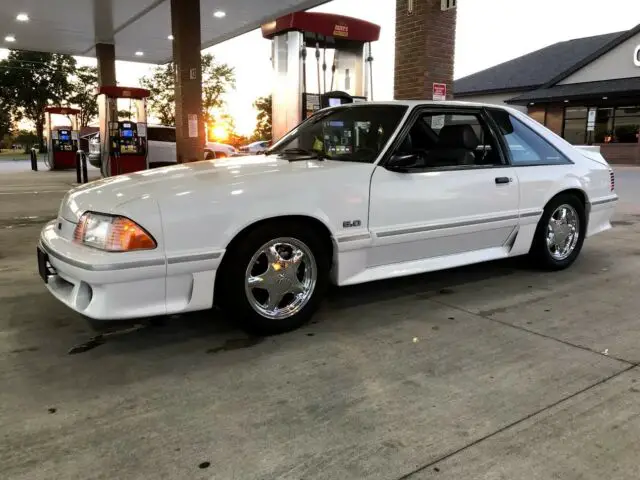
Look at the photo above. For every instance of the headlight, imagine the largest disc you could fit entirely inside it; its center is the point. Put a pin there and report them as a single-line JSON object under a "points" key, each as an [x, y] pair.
{"points": [[112, 233]]}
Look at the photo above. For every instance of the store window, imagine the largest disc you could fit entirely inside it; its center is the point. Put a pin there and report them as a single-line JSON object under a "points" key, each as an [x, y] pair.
{"points": [[575, 125], [627, 124], [604, 126]]}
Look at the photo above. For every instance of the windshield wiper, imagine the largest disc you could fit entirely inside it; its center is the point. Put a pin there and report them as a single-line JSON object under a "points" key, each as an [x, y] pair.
{"points": [[301, 151]]}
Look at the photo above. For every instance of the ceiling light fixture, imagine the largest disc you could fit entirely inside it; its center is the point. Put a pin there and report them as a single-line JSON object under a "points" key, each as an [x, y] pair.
{"points": [[22, 17], [566, 101], [605, 98], [170, 37], [9, 38], [139, 53], [219, 14]]}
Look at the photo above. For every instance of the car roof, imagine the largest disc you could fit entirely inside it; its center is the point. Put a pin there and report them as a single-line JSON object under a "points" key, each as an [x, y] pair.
{"points": [[427, 103], [414, 103]]}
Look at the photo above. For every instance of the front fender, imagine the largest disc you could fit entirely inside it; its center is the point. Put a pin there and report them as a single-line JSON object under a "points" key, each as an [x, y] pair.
{"points": [[207, 219]]}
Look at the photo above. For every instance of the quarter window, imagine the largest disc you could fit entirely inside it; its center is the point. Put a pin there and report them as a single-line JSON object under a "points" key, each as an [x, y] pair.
{"points": [[525, 146]]}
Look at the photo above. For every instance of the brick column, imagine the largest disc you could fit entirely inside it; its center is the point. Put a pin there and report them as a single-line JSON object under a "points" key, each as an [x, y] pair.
{"points": [[185, 26], [106, 55], [425, 42]]}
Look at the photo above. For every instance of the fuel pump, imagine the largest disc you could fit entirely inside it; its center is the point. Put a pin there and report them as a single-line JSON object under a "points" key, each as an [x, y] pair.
{"points": [[343, 42], [123, 139], [62, 140]]}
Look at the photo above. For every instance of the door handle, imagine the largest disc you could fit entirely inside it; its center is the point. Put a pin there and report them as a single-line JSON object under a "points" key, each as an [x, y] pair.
{"points": [[502, 180]]}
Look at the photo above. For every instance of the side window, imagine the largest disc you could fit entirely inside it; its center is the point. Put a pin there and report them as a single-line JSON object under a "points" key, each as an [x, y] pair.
{"points": [[451, 139], [525, 146], [166, 135]]}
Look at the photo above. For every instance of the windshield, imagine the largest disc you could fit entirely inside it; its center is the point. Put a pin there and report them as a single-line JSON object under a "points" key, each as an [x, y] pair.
{"points": [[353, 134]]}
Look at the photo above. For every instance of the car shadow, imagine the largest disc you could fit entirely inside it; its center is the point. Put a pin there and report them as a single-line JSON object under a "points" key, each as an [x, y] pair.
{"points": [[221, 332]]}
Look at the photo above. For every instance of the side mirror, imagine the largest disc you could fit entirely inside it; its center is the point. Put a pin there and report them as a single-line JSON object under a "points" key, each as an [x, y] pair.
{"points": [[403, 160]]}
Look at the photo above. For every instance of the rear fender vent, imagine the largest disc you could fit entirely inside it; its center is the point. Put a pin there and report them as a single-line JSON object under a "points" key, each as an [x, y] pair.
{"points": [[612, 180]]}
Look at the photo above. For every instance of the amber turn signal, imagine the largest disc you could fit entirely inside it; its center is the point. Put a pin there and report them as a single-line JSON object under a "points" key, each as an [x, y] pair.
{"points": [[112, 233]]}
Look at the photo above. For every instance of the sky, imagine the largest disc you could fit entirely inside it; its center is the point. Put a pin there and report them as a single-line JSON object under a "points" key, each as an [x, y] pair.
{"points": [[488, 32]]}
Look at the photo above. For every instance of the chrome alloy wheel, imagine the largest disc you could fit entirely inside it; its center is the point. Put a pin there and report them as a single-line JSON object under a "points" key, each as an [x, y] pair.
{"points": [[563, 232], [281, 278]]}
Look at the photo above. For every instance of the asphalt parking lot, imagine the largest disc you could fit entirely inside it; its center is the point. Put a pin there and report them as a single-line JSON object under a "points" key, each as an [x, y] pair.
{"points": [[489, 372]]}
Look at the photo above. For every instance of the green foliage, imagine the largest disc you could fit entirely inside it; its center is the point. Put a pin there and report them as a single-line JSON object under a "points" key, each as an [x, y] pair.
{"points": [[30, 81], [84, 86], [27, 139], [161, 84], [263, 120], [5, 118], [217, 79]]}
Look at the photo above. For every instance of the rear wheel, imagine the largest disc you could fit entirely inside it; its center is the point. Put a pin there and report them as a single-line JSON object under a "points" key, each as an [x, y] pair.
{"points": [[560, 233], [208, 155], [275, 277]]}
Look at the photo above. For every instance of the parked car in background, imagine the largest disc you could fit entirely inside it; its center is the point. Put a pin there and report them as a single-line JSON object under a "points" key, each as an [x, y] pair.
{"points": [[256, 148], [218, 150], [161, 142]]}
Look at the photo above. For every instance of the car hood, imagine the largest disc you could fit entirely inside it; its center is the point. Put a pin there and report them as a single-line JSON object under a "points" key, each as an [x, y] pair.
{"points": [[107, 194]]}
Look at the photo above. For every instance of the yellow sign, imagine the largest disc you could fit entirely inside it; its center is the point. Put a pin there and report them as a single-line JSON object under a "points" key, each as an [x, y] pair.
{"points": [[341, 31]]}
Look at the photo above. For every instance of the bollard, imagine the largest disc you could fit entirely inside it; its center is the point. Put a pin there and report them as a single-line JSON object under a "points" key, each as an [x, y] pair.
{"points": [[34, 160], [85, 175], [78, 178]]}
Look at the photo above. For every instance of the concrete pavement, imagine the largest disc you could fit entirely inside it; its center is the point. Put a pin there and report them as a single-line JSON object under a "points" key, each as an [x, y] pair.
{"points": [[488, 372]]}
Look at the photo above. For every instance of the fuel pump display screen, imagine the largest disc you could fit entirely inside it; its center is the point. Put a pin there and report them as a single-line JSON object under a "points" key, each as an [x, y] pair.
{"points": [[126, 141], [62, 142], [338, 137]]}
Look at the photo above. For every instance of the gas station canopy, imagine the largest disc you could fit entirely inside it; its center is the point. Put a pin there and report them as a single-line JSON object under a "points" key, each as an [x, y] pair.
{"points": [[140, 29]]}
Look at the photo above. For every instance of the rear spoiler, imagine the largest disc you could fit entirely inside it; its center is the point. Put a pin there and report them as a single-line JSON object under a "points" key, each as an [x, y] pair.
{"points": [[592, 152]]}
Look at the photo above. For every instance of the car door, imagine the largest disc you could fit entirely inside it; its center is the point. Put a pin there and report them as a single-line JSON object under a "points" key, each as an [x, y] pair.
{"points": [[458, 196]]}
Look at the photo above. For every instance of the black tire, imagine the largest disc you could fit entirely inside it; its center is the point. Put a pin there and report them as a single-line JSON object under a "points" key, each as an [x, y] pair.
{"points": [[208, 155], [231, 292], [539, 254], [161, 164]]}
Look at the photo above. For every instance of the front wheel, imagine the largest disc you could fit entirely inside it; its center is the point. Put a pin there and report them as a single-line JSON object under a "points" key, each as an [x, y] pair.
{"points": [[275, 278], [560, 233]]}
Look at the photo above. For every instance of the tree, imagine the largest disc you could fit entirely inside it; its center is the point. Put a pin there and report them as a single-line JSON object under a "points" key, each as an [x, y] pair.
{"points": [[5, 118], [162, 84], [124, 114], [263, 120], [26, 138], [217, 79], [33, 80], [84, 87]]}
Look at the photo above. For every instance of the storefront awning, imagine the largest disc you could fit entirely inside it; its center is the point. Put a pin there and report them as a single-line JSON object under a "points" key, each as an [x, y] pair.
{"points": [[621, 87]]}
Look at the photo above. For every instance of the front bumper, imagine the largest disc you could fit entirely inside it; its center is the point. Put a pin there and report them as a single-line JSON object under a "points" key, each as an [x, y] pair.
{"points": [[114, 286]]}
